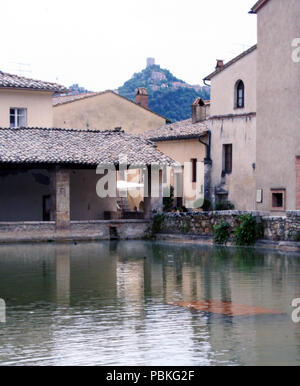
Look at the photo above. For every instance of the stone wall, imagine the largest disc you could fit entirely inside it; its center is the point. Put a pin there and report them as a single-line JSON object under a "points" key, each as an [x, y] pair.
{"points": [[279, 228], [282, 227], [79, 230]]}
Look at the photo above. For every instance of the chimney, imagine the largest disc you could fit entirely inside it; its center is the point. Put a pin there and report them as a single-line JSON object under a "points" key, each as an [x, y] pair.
{"points": [[220, 63], [198, 111], [142, 97]]}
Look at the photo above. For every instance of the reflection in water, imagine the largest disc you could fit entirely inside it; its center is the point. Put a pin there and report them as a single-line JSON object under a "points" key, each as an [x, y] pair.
{"points": [[107, 303], [225, 308], [63, 275]]}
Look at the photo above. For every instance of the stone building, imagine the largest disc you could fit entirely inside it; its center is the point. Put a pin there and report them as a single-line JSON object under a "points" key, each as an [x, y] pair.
{"points": [[188, 143], [49, 176], [105, 110], [255, 116], [278, 105], [232, 123]]}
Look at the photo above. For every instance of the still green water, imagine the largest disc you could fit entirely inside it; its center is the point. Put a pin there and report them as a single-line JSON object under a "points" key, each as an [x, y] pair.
{"points": [[106, 303]]}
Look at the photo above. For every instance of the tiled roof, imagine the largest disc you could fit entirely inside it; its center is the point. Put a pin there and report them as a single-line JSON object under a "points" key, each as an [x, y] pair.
{"points": [[61, 99], [226, 65], [86, 147], [15, 81], [258, 5], [178, 130]]}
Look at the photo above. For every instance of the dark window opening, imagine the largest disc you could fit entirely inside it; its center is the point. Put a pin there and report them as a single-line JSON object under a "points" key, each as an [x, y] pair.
{"points": [[46, 208], [227, 154], [240, 94], [277, 200], [194, 169]]}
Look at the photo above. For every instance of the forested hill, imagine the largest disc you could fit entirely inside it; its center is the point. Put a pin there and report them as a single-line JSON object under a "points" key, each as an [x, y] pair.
{"points": [[168, 95]]}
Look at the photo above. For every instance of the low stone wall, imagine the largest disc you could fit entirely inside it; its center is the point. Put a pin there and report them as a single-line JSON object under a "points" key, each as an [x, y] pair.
{"points": [[276, 228], [282, 227], [79, 230]]}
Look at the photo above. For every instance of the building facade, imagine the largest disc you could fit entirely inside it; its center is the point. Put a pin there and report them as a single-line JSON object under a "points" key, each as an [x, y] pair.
{"points": [[278, 105], [232, 124], [50, 176], [104, 111], [26, 103], [188, 143], [255, 116]]}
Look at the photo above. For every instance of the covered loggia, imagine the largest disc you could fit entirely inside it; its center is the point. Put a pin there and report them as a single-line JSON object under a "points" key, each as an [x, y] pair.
{"points": [[50, 175]]}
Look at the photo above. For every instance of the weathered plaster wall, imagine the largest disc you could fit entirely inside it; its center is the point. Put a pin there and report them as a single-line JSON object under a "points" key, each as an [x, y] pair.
{"points": [[238, 131], [106, 111], [240, 183], [183, 151], [278, 100], [223, 84], [37, 103]]}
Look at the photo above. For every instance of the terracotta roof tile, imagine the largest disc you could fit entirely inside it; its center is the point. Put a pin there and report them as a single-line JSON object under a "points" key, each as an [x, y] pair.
{"points": [[178, 130], [15, 81], [60, 99], [86, 147]]}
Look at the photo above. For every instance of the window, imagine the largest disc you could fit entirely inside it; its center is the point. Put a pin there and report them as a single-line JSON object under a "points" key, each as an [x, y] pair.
{"points": [[46, 208], [227, 158], [240, 95], [18, 117], [194, 169], [278, 199]]}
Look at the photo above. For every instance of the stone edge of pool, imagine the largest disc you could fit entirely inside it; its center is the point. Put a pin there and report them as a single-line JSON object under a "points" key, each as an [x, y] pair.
{"points": [[288, 246]]}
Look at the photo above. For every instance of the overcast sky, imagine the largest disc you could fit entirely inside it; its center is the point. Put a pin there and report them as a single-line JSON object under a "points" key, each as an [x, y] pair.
{"points": [[100, 44]]}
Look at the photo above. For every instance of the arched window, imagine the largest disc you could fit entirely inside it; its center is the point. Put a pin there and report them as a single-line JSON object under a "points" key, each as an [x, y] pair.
{"points": [[240, 95]]}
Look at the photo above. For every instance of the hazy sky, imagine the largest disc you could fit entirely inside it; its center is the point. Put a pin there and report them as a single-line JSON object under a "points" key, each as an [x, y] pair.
{"points": [[100, 44]]}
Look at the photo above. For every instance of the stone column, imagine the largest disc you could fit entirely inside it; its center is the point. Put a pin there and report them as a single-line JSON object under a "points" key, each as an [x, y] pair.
{"points": [[154, 201], [52, 173], [62, 199], [147, 193]]}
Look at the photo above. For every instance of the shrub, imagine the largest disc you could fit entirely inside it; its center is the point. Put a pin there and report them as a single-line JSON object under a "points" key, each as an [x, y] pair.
{"points": [[206, 206], [247, 232], [222, 233], [157, 222], [168, 202], [297, 236], [225, 205], [186, 227]]}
